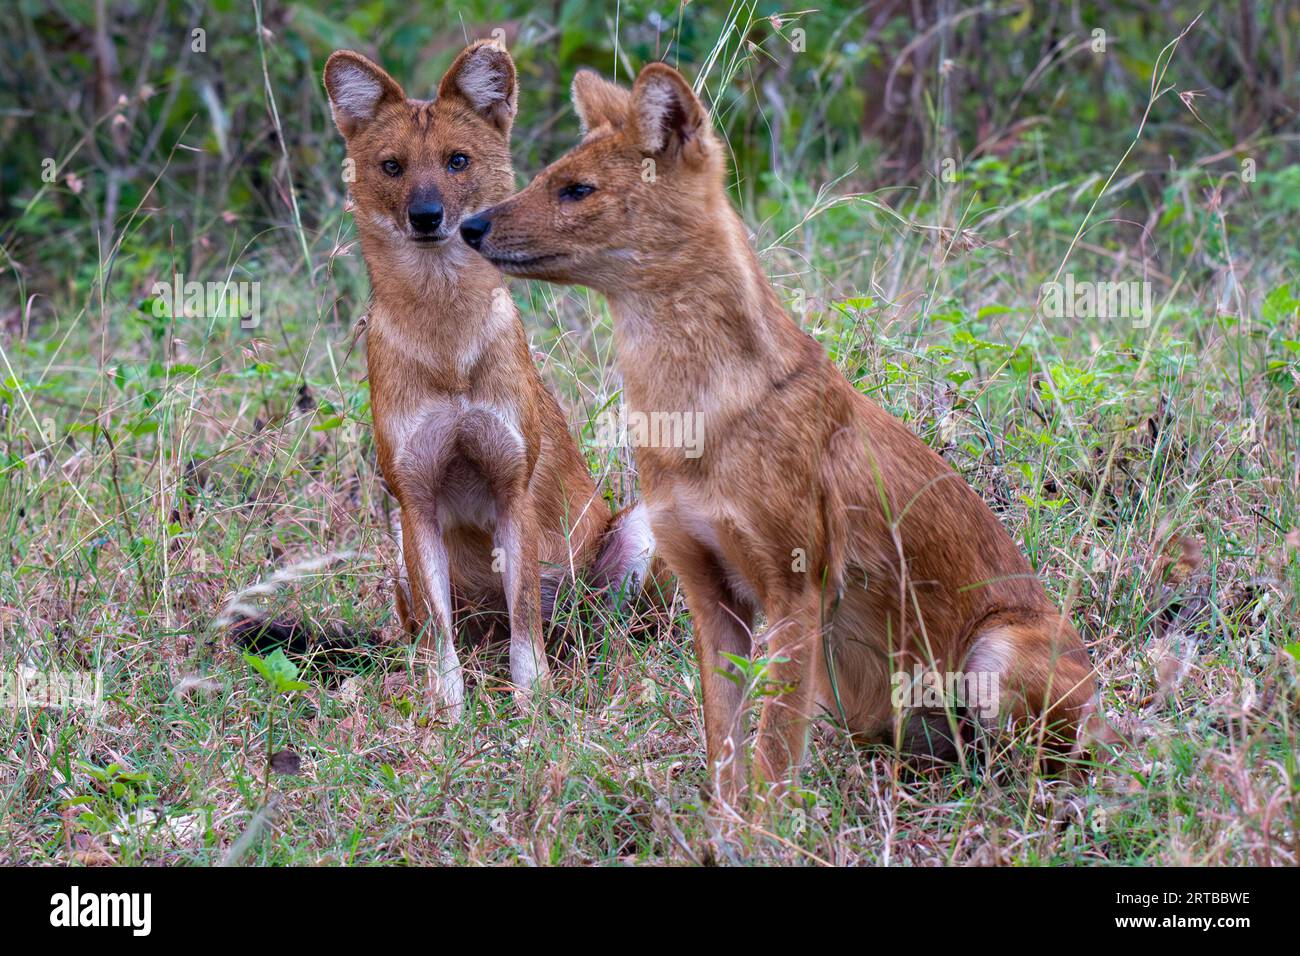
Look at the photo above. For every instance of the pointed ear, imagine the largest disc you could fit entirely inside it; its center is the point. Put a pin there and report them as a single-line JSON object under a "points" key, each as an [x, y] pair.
{"points": [[484, 77], [668, 117], [598, 101], [357, 89]]}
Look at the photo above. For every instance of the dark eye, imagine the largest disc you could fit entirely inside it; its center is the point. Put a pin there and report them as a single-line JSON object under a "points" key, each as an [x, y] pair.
{"points": [[575, 191], [457, 162], [391, 167]]}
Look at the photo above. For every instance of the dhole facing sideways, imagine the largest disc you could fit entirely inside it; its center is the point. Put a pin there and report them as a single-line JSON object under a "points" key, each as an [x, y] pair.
{"points": [[866, 553], [496, 503]]}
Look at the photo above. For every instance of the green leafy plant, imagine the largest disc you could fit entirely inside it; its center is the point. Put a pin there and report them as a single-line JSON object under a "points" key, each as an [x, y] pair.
{"points": [[280, 675]]}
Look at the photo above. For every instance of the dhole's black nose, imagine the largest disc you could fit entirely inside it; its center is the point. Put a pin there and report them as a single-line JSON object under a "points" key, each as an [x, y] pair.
{"points": [[425, 216], [473, 230]]}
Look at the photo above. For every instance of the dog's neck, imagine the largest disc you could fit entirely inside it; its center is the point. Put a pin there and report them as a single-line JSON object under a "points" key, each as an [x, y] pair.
{"points": [[442, 309], [704, 329]]}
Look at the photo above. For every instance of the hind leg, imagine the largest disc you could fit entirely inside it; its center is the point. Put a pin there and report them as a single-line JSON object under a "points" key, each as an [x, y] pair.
{"points": [[1040, 677]]}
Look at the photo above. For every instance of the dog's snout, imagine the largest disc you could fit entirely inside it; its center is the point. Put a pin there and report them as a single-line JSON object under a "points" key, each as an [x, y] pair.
{"points": [[473, 230], [425, 216]]}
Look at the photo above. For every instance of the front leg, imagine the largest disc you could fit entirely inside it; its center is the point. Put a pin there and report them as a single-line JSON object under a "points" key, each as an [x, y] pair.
{"points": [[402, 580], [794, 643], [429, 572], [516, 541], [722, 625]]}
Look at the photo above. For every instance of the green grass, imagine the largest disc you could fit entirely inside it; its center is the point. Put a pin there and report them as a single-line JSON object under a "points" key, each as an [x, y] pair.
{"points": [[153, 468]]}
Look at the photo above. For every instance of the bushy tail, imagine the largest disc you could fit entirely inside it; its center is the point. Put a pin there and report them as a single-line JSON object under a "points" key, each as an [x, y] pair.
{"points": [[625, 566], [262, 635], [252, 628]]}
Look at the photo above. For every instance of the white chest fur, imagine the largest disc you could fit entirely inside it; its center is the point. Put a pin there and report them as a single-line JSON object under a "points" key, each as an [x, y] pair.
{"points": [[454, 456]]}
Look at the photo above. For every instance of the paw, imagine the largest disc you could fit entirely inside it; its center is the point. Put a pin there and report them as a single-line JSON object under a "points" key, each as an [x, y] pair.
{"points": [[532, 681], [447, 691]]}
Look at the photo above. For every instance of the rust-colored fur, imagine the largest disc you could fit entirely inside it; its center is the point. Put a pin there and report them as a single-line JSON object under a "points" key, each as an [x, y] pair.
{"points": [[497, 504], [862, 548]]}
